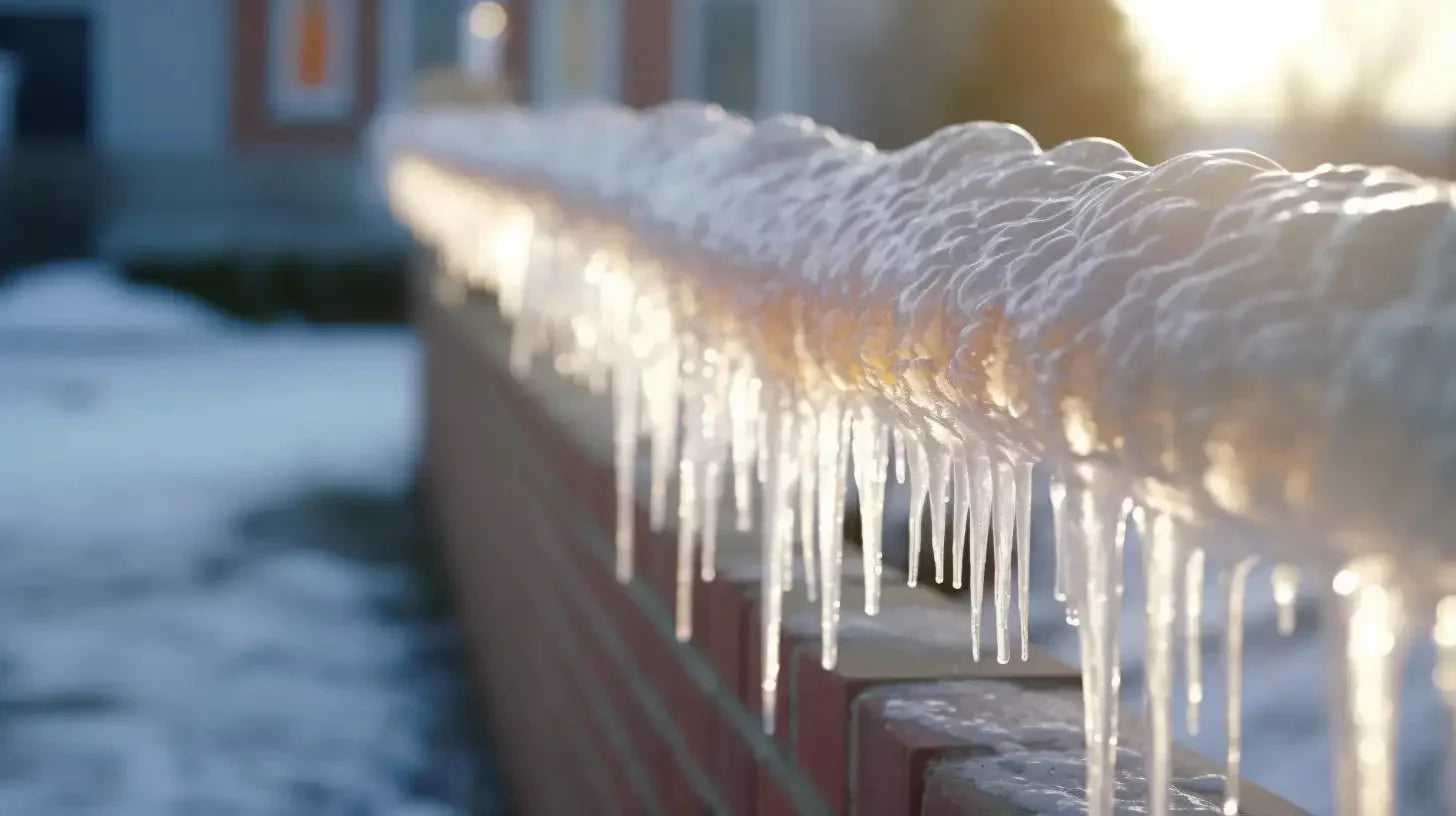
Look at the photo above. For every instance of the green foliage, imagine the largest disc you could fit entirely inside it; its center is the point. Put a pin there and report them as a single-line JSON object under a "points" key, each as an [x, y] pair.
{"points": [[1062, 69]]}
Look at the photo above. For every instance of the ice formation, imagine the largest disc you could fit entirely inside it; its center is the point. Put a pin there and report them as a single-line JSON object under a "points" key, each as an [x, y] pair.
{"points": [[1235, 358]]}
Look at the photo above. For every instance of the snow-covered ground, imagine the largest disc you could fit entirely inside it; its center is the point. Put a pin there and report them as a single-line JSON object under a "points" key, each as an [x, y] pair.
{"points": [[139, 432]]}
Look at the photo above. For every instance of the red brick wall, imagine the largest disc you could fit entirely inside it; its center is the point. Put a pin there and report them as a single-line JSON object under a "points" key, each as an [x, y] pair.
{"points": [[599, 710]]}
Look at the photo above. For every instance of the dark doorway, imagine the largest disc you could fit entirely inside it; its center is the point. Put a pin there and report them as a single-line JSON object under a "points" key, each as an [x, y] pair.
{"points": [[48, 179], [53, 101]]}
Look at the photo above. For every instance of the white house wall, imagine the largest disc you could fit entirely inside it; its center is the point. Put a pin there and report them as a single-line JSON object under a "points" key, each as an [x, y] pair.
{"points": [[162, 79]]}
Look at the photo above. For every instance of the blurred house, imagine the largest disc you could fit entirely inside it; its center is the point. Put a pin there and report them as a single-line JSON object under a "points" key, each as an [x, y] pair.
{"points": [[757, 57], [203, 128]]}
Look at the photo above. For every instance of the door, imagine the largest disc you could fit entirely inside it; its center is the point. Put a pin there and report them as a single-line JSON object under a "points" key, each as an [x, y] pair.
{"points": [[53, 100], [47, 177]]}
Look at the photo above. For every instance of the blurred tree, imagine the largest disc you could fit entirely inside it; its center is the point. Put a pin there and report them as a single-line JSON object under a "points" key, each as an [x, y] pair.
{"points": [[1338, 77], [1062, 69]]}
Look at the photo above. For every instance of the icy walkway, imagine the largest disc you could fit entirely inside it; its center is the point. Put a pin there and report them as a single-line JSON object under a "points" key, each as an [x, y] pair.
{"points": [[206, 604]]}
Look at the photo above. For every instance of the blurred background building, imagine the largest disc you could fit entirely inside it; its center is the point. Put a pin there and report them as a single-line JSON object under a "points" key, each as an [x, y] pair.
{"points": [[192, 130]]}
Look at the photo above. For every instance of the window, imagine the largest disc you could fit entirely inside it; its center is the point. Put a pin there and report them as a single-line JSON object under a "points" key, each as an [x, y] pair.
{"points": [[312, 59]]}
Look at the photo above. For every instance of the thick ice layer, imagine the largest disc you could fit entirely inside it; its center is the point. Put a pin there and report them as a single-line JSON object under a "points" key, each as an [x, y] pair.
{"points": [[1230, 337], [1226, 353]]}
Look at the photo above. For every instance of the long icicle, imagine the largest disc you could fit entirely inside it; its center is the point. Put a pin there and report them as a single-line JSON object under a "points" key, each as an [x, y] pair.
{"points": [[626, 389], [1098, 521], [1002, 533], [714, 451], [777, 536], [1193, 637], [982, 493], [689, 501], [871, 459], [960, 513], [1238, 581], [830, 482], [1023, 553], [1372, 646], [919, 489], [744, 419], [808, 470], [789, 478], [1444, 634], [660, 386], [937, 497], [1160, 543]]}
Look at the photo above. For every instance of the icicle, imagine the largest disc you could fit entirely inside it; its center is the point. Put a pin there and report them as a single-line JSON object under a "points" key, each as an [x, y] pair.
{"points": [[1160, 545], [830, 483], [1193, 635], [808, 472], [777, 535], [871, 458], [919, 488], [1057, 491], [1238, 579], [1004, 518], [1023, 553], [761, 431], [960, 514], [897, 435], [625, 392], [1285, 579], [1444, 633], [982, 494], [1098, 522], [938, 496], [712, 485], [714, 450], [660, 386], [688, 505], [744, 420], [1372, 622]]}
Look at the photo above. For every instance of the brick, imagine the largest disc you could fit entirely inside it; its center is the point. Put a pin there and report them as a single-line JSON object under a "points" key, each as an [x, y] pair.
{"points": [[773, 799], [731, 765], [918, 637]]}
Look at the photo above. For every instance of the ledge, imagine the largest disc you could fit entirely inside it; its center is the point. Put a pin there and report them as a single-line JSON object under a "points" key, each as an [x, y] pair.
{"points": [[600, 709]]}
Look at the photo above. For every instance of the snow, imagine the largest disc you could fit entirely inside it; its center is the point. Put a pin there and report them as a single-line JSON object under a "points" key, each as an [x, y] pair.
{"points": [[134, 680], [86, 296]]}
